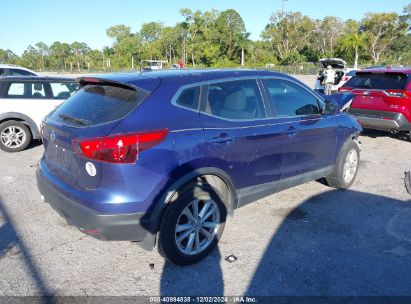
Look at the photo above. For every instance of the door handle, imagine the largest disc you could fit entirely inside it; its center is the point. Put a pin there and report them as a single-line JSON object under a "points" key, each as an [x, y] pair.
{"points": [[222, 138], [291, 132]]}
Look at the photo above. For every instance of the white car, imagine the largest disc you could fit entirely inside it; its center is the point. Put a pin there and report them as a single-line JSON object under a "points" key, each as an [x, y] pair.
{"points": [[24, 101], [338, 65], [15, 70]]}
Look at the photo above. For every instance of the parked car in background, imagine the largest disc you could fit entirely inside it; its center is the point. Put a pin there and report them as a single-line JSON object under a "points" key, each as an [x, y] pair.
{"points": [[338, 65], [24, 101], [164, 156], [15, 70], [347, 76], [382, 98]]}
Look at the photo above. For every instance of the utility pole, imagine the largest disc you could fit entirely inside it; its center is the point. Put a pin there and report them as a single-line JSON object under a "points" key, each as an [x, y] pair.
{"points": [[183, 57]]}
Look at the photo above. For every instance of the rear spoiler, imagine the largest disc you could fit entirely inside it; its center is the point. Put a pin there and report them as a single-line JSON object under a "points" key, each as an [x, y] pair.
{"points": [[102, 81]]}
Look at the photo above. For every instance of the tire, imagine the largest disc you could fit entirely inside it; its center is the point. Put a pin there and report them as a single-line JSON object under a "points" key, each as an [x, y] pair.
{"points": [[14, 136], [348, 159], [175, 245]]}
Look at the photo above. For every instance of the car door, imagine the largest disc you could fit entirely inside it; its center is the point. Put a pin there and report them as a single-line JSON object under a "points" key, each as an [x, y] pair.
{"points": [[309, 137], [28, 98], [232, 111]]}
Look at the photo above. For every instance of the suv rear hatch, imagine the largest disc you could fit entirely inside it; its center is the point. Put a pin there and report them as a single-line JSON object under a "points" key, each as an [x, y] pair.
{"points": [[335, 63], [93, 112], [377, 91]]}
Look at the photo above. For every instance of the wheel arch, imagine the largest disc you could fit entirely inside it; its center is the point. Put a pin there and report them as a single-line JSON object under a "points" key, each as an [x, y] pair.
{"points": [[21, 118], [213, 176]]}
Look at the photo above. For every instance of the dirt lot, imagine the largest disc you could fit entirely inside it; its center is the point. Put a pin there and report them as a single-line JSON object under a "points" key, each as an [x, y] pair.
{"points": [[309, 240]]}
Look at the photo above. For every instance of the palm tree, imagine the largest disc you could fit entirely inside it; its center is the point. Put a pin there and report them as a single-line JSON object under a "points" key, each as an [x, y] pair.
{"points": [[353, 40], [242, 42]]}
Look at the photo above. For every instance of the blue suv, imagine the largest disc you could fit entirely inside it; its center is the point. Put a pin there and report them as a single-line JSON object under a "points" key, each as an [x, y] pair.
{"points": [[162, 157]]}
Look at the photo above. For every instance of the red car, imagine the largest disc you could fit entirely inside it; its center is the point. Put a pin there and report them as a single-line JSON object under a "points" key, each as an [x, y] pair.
{"points": [[382, 98]]}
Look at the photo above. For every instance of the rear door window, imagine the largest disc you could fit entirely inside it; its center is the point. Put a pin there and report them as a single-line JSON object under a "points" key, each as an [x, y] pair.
{"points": [[290, 99], [63, 90], [189, 98], [35, 90], [378, 81], [238, 100], [97, 104]]}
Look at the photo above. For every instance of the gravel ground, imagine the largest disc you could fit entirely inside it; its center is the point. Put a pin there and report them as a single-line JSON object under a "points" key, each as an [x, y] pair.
{"points": [[309, 240]]}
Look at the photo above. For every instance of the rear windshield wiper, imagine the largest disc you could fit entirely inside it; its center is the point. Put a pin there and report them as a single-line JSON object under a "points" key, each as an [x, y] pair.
{"points": [[80, 121]]}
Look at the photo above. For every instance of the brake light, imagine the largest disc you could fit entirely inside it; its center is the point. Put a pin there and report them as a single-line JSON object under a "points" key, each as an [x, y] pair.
{"points": [[396, 93], [345, 78], [344, 89], [120, 149]]}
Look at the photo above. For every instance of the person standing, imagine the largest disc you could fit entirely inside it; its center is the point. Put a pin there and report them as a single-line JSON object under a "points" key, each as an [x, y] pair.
{"points": [[329, 78]]}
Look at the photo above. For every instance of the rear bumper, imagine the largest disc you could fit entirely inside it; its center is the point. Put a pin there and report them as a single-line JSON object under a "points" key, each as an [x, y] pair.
{"points": [[109, 227], [381, 120]]}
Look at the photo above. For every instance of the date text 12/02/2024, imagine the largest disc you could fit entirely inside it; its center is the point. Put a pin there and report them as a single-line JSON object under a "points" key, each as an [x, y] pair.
{"points": [[201, 299]]}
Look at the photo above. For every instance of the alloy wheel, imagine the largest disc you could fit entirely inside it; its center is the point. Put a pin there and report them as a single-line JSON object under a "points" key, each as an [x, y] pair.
{"points": [[197, 226]]}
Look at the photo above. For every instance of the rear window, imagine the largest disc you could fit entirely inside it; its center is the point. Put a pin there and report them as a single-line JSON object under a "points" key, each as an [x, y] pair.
{"points": [[97, 104], [378, 81], [351, 73]]}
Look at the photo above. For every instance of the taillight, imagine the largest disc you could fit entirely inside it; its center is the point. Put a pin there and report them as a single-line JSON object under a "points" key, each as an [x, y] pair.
{"points": [[396, 93], [120, 149], [345, 78], [344, 90]]}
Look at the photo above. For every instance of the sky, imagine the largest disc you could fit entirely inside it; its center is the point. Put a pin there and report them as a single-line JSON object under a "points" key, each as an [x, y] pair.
{"points": [[25, 22]]}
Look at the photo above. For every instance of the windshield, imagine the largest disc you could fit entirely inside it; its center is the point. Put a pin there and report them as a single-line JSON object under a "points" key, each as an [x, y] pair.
{"points": [[96, 104], [378, 81]]}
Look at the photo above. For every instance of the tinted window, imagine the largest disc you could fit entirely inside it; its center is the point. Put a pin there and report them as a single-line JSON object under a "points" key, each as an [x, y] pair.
{"points": [[1, 72], [15, 72], [189, 98], [235, 100], [26, 90], [96, 104], [289, 99], [378, 81], [351, 73], [63, 90]]}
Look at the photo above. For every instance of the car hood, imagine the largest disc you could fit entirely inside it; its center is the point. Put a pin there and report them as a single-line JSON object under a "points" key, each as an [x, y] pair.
{"points": [[335, 63]]}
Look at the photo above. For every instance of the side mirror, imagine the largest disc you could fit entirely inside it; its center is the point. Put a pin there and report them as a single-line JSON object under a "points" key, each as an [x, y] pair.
{"points": [[329, 108]]}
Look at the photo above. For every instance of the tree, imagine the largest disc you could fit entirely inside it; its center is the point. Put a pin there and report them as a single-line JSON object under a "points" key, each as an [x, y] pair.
{"points": [[118, 32], [126, 50], [230, 26], [79, 50], [380, 30], [59, 53], [288, 32], [242, 42], [151, 31], [31, 58], [43, 50], [170, 42], [7, 56], [325, 35], [352, 40]]}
